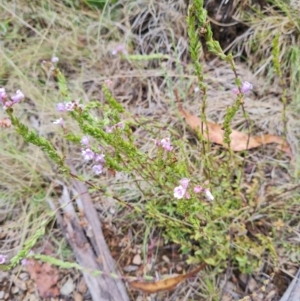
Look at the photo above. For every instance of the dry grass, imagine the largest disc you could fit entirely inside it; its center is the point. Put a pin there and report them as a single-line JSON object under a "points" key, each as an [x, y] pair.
{"points": [[83, 40]]}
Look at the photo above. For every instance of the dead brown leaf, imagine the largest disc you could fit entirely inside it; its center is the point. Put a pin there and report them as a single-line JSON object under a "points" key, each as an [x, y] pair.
{"points": [[239, 140], [163, 285], [45, 277], [5, 123]]}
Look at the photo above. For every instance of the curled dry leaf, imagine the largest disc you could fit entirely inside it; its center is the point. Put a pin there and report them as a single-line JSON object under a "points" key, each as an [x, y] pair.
{"points": [[164, 285], [45, 277], [239, 140]]}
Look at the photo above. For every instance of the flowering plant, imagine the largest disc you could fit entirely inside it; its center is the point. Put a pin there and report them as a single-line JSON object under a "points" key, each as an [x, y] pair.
{"points": [[193, 201]]}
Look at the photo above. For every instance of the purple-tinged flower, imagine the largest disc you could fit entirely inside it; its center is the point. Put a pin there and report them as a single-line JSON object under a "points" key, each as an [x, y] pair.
{"points": [[198, 189], [97, 169], [157, 142], [109, 129], [119, 49], [208, 195], [7, 104], [167, 147], [179, 192], [69, 106], [3, 96], [100, 158], [60, 107], [88, 154], [2, 258], [166, 144], [108, 83], [59, 121], [77, 104], [85, 141], [184, 183], [120, 125], [245, 88], [236, 91], [187, 195], [17, 97], [54, 60], [27, 261]]}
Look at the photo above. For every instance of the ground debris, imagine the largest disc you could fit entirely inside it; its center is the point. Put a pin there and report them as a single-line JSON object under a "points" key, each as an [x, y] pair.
{"points": [[45, 277]]}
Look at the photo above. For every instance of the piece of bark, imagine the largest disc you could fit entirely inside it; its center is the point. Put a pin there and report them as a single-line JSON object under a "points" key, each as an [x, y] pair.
{"points": [[102, 287], [97, 240]]}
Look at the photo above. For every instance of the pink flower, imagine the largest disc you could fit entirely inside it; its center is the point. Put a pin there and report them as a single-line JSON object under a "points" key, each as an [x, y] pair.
{"points": [[109, 129], [7, 104], [60, 107], [24, 261], [198, 189], [3, 96], [85, 141], [245, 88], [157, 142], [27, 261], [108, 83], [97, 169], [54, 60], [69, 106], [120, 125], [59, 121], [77, 104], [187, 195], [184, 183], [14, 99], [88, 154], [236, 91], [166, 144], [208, 195], [100, 158], [179, 192], [17, 97], [2, 258], [119, 49]]}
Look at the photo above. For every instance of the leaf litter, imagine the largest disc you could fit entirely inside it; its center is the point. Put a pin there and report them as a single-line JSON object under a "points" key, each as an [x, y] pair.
{"points": [[239, 141], [164, 285], [45, 277]]}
